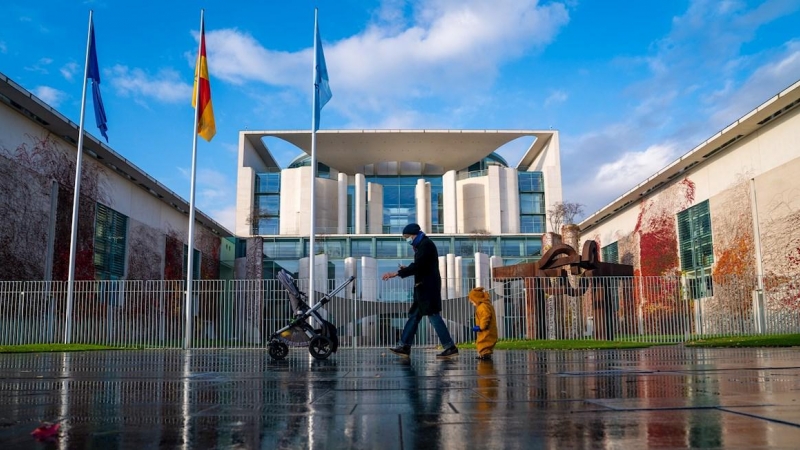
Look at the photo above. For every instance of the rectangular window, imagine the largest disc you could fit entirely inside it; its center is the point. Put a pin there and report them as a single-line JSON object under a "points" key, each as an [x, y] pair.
{"points": [[531, 182], [530, 203], [282, 249], [195, 263], [442, 245], [266, 209], [532, 209], [610, 254], [531, 224], [268, 183], [393, 248], [361, 247], [694, 237], [110, 235]]}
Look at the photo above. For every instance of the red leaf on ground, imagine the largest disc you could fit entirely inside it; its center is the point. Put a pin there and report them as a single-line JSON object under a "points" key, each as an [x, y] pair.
{"points": [[46, 431]]}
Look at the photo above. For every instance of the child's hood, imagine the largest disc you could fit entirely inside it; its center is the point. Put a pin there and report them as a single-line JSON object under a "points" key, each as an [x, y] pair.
{"points": [[478, 295]]}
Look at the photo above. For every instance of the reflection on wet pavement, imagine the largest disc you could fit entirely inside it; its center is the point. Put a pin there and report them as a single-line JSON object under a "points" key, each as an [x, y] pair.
{"points": [[670, 397]]}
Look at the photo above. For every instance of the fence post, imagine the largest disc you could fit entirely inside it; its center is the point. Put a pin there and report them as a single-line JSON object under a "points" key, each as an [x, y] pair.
{"points": [[20, 323], [759, 318]]}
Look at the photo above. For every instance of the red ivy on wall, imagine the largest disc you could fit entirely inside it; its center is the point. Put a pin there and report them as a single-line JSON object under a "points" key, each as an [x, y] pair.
{"points": [[658, 238], [173, 259]]}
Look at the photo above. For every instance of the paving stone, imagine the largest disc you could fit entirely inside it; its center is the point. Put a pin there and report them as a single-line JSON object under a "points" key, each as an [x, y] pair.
{"points": [[667, 397]]}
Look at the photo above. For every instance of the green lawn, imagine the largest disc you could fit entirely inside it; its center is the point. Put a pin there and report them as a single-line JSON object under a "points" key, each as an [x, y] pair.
{"points": [[575, 344], [770, 340], [35, 348]]}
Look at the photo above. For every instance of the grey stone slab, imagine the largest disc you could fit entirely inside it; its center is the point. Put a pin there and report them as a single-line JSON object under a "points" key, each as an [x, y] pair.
{"points": [[669, 397]]}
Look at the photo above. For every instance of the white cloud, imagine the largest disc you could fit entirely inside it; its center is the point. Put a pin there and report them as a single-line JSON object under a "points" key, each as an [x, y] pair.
{"points": [[226, 216], [216, 195], [764, 83], [49, 95], [233, 148], [40, 66], [443, 49], [69, 70], [556, 97], [699, 62], [632, 168], [166, 86]]}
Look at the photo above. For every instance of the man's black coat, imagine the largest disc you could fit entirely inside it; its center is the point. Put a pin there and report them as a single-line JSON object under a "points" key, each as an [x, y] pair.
{"points": [[427, 280]]}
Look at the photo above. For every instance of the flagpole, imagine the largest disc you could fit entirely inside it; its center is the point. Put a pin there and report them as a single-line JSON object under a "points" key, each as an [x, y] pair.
{"points": [[315, 99], [187, 337], [76, 196]]}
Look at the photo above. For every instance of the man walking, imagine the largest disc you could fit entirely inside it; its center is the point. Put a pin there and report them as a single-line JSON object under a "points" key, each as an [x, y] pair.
{"points": [[427, 293]]}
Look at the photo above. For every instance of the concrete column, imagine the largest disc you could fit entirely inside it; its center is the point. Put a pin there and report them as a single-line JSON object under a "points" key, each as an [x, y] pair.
{"points": [[483, 273], [550, 239], [498, 297], [422, 195], [443, 273], [342, 216], [493, 211], [320, 278], [512, 201], [302, 273], [450, 200], [459, 277], [451, 275], [369, 278], [360, 224], [571, 233], [375, 199], [350, 270]]}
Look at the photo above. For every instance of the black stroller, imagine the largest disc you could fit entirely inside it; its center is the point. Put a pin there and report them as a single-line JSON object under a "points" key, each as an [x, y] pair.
{"points": [[321, 342]]}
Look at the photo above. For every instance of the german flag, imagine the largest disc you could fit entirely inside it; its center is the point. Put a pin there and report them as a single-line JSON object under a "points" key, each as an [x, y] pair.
{"points": [[205, 113]]}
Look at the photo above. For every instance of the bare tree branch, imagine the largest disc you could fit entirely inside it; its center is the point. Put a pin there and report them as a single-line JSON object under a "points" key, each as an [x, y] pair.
{"points": [[563, 213]]}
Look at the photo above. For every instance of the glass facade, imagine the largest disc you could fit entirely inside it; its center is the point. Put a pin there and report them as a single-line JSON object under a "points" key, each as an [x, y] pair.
{"points": [[399, 182], [110, 237], [399, 202], [531, 202], [267, 208], [283, 252]]}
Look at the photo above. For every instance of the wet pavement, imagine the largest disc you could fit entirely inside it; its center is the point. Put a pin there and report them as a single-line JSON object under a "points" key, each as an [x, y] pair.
{"points": [[669, 397]]}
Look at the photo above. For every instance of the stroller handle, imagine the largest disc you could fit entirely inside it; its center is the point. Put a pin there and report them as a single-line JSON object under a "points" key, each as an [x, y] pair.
{"points": [[338, 289]]}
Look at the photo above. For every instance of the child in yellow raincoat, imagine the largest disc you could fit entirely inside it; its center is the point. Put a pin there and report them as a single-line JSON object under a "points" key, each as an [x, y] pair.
{"points": [[485, 322]]}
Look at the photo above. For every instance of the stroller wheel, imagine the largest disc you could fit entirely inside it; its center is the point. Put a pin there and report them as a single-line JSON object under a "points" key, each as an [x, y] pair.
{"points": [[278, 350], [320, 347]]}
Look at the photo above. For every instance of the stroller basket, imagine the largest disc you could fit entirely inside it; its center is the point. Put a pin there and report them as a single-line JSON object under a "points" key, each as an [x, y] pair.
{"points": [[322, 341]]}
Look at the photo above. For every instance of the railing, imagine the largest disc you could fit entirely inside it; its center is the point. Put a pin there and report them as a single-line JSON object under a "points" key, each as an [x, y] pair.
{"points": [[371, 313]]}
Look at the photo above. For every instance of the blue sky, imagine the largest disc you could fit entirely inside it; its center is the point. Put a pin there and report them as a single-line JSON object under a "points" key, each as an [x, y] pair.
{"points": [[630, 84]]}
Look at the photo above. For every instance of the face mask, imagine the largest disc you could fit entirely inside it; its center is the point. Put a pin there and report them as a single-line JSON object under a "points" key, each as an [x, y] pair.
{"points": [[410, 240]]}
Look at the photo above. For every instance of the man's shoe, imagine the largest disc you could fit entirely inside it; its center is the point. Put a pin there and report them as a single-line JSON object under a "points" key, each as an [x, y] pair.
{"points": [[448, 353], [402, 350], [484, 357]]}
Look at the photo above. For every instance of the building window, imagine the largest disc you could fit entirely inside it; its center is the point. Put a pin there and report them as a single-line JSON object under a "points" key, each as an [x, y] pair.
{"points": [[361, 247], [399, 202], [696, 248], [531, 202], [267, 204], [610, 253], [110, 233], [531, 182], [694, 236], [195, 263]]}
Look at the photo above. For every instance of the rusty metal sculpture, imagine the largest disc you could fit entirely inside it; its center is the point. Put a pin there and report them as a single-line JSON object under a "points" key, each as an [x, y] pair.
{"points": [[550, 276]]}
